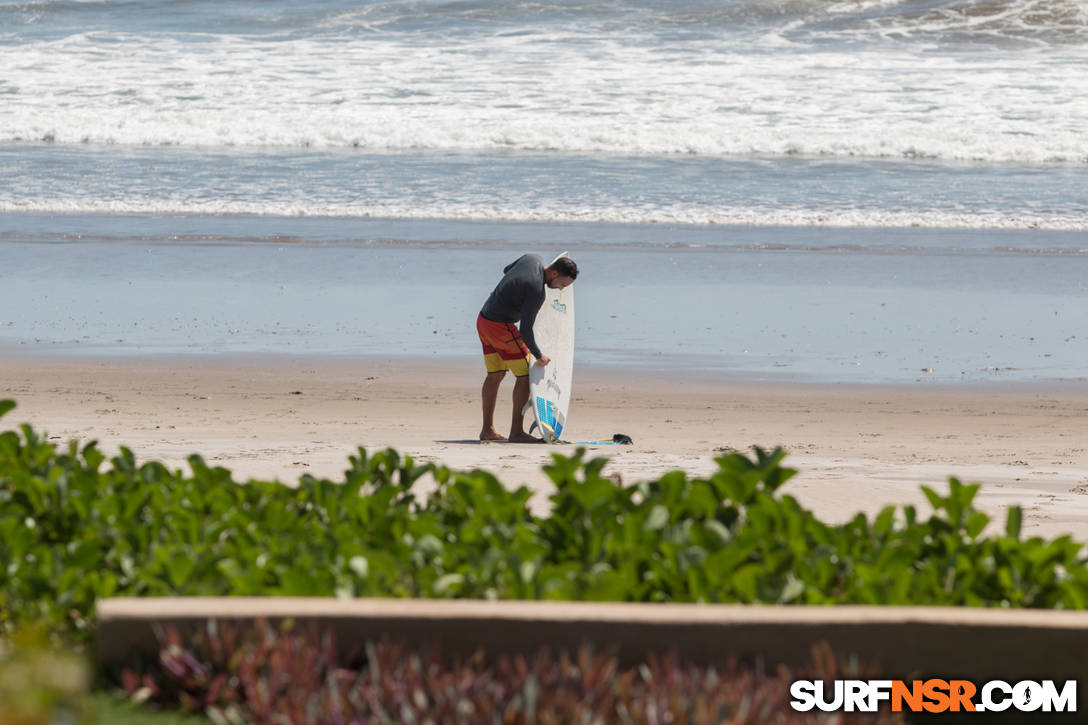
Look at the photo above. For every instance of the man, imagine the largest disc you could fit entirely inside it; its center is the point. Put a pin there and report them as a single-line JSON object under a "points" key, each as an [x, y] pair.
{"points": [[517, 296]]}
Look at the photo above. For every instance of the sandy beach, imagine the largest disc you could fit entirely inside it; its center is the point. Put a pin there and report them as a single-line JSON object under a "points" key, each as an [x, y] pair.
{"points": [[857, 448]]}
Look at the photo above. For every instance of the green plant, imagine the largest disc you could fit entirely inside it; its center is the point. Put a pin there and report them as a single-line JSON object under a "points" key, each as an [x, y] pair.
{"points": [[41, 686], [109, 709], [76, 528]]}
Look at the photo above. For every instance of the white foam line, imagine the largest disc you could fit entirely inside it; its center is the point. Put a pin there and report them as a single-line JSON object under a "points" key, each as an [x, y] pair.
{"points": [[746, 216], [586, 95]]}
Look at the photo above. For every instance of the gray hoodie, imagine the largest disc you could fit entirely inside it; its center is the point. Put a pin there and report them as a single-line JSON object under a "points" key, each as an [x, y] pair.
{"points": [[518, 296]]}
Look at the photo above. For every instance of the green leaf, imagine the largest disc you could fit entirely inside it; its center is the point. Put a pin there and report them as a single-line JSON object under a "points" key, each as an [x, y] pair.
{"points": [[1013, 521], [360, 566], [657, 519], [935, 499], [298, 584], [448, 584], [719, 530], [179, 566], [976, 522], [794, 588], [885, 520]]}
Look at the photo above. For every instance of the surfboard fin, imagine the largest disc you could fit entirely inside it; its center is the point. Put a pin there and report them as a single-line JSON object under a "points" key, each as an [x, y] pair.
{"points": [[548, 434]]}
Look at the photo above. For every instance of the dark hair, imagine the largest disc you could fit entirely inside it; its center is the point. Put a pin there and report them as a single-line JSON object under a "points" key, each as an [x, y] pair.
{"points": [[566, 267]]}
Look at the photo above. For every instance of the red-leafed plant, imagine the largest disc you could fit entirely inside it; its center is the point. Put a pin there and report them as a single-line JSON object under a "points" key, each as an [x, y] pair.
{"points": [[293, 676]]}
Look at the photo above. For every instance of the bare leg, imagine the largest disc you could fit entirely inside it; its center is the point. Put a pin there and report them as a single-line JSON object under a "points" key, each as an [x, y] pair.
{"points": [[490, 394], [521, 397]]}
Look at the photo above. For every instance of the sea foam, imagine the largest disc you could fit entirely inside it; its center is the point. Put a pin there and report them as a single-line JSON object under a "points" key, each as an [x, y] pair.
{"points": [[562, 92]]}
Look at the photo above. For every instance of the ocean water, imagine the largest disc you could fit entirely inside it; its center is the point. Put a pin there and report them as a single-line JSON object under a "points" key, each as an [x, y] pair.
{"points": [[856, 190]]}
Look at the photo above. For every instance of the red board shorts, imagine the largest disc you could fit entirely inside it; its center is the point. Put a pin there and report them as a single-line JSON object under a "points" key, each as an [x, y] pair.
{"points": [[503, 348]]}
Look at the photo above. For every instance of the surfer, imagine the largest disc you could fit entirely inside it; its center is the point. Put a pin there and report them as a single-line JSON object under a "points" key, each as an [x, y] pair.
{"points": [[517, 297]]}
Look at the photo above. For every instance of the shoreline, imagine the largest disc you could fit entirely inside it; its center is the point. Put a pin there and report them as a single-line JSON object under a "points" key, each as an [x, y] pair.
{"points": [[770, 304], [665, 368], [857, 447]]}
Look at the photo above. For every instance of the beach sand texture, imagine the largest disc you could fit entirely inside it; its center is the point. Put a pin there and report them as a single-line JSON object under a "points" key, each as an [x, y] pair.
{"points": [[857, 448]]}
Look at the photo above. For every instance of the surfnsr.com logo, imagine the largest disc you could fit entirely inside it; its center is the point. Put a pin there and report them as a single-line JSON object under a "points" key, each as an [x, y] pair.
{"points": [[933, 696]]}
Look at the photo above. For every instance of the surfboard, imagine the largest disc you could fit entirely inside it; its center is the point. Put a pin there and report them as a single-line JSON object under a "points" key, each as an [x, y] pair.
{"points": [[549, 386]]}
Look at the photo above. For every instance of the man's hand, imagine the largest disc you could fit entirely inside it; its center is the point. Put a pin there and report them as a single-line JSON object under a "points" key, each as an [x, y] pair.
{"points": [[543, 360]]}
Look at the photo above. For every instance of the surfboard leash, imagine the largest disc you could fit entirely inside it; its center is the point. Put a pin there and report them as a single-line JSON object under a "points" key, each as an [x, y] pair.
{"points": [[620, 439]]}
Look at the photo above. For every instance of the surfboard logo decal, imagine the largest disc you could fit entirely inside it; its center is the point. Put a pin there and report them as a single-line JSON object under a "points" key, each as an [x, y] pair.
{"points": [[546, 414], [556, 305], [544, 410]]}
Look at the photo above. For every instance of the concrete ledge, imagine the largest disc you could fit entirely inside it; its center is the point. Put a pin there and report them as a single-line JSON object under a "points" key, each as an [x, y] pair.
{"points": [[976, 644]]}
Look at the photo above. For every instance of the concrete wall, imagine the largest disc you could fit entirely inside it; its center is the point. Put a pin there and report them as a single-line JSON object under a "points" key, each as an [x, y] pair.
{"points": [[923, 642]]}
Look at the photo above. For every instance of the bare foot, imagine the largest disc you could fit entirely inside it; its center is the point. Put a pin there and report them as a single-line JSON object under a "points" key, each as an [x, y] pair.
{"points": [[524, 438], [491, 435]]}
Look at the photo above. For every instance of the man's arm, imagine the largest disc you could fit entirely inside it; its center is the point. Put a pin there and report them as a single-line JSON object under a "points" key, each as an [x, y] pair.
{"points": [[528, 318]]}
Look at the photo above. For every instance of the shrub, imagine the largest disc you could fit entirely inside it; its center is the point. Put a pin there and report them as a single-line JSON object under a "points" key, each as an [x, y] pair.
{"points": [[38, 685], [256, 674], [42, 685], [75, 530]]}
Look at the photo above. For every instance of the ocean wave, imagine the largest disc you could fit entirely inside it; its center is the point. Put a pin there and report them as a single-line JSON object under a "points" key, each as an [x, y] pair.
{"points": [[558, 213], [559, 91], [910, 140], [969, 21], [1044, 22]]}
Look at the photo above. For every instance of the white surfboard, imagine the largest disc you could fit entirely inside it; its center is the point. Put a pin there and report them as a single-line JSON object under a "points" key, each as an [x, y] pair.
{"points": [[549, 386]]}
